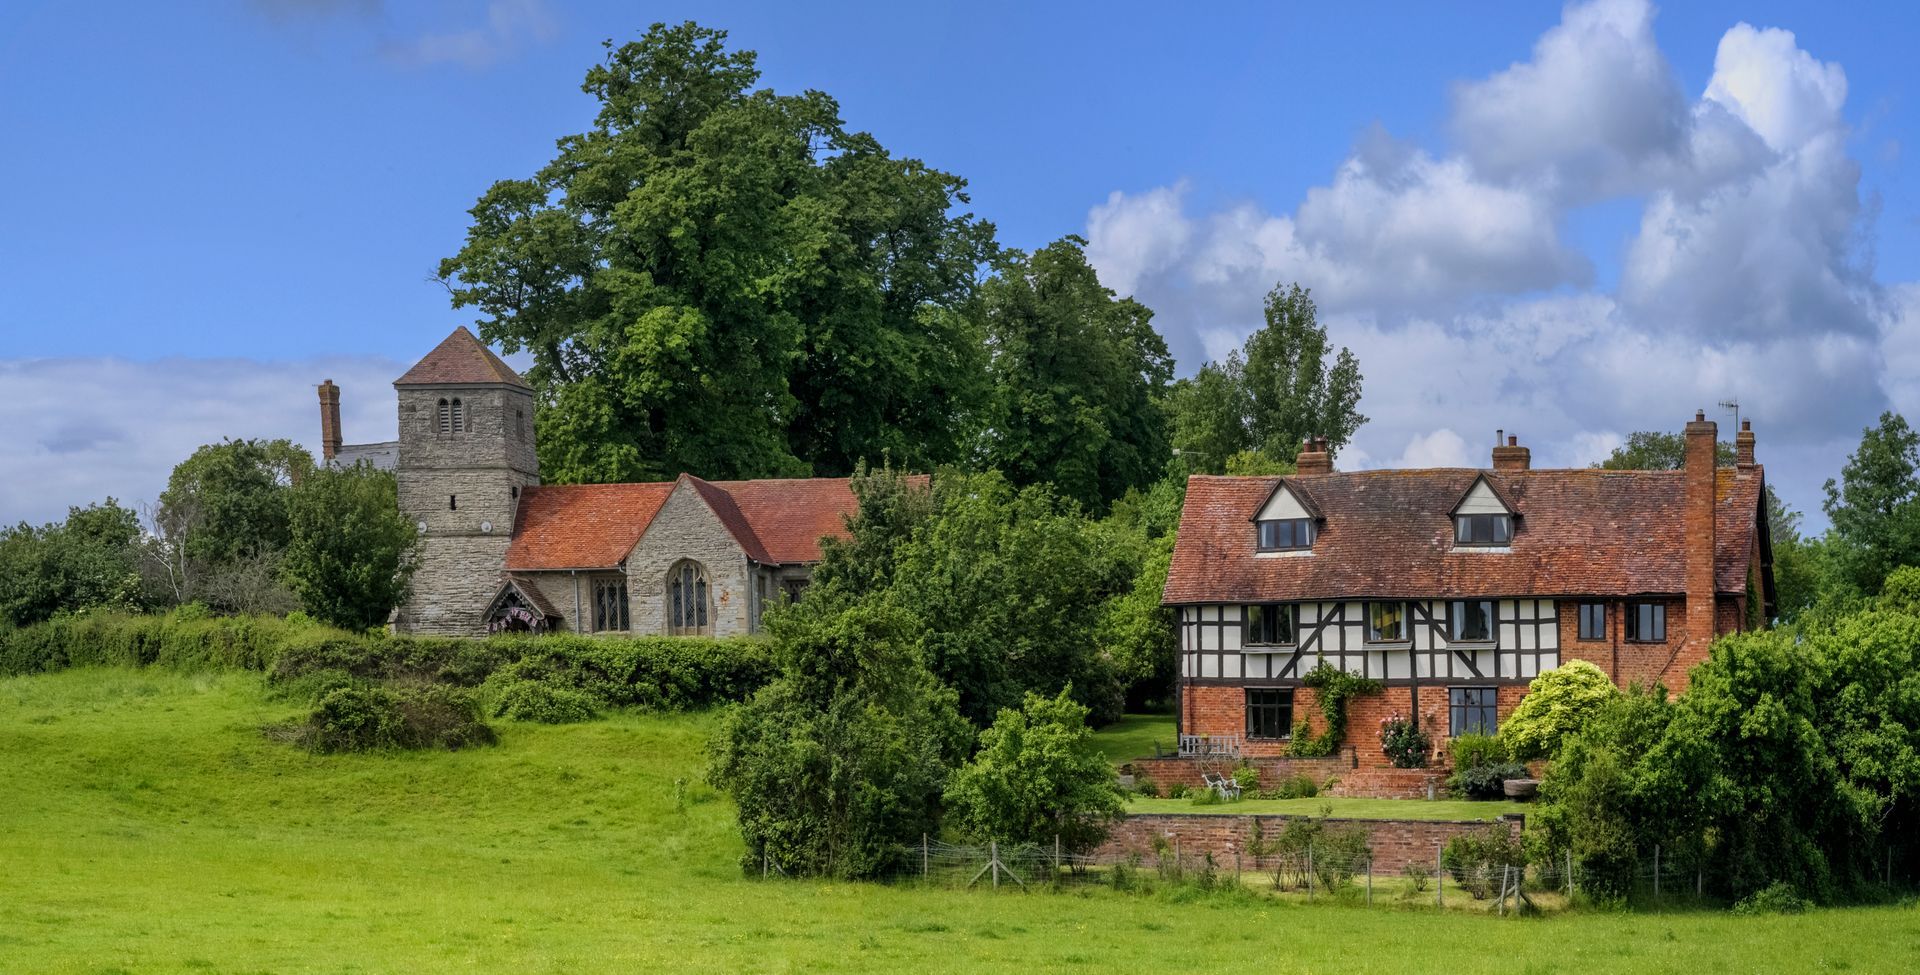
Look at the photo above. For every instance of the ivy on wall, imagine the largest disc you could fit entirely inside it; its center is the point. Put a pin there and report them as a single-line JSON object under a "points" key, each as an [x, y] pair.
{"points": [[1333, 688]]}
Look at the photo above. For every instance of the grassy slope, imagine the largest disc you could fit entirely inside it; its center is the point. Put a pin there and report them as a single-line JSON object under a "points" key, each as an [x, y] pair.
{"points": [[1133, 737], [146, 826]]}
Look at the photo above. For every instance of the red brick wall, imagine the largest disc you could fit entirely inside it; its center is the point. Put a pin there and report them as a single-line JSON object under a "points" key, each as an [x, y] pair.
{"points": [[1166, 772], [1632, 663], [1395, 842]]}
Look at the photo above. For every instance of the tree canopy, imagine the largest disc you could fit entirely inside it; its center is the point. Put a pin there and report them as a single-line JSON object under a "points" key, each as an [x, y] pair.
{"points": [[725, 279], [1875, 505], [1079, 378], [350, 551], [1251, 412]]}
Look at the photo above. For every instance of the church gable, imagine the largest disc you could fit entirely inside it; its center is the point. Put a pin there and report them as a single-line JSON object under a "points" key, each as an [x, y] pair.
{"points": [[689, 542]]}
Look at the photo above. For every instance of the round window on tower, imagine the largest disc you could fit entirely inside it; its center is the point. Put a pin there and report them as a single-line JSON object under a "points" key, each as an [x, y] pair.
{"points": [[422, 526], [486, 528]]}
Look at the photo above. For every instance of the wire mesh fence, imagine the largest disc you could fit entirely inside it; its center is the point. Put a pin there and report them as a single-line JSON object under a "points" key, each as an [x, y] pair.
{"points": [[1310, 872]]}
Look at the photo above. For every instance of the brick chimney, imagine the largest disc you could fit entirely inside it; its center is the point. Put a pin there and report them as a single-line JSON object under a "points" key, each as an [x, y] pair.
{"points": [[329, 420], [1314, 458], [1701, 439], [1743, 445], [1511, 456]]}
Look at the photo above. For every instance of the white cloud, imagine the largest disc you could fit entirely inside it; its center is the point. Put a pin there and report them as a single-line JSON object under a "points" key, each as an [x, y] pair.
{"points": [[509, 25], [1441, 448], [82, 429], [1749, 274], [1596, 107], [1779, 90], [1129, 237]]}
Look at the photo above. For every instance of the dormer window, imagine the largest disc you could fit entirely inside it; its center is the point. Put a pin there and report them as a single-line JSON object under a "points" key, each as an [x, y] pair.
{"points": [[1284, 534], [1482, 529]]}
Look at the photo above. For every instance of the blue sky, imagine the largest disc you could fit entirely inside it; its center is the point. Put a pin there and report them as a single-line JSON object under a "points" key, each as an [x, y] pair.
{"points": [[216, 206]]}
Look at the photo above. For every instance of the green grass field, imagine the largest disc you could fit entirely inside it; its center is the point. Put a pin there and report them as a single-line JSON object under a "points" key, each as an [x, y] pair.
{"points": [[1134, 736], [146, 825]]}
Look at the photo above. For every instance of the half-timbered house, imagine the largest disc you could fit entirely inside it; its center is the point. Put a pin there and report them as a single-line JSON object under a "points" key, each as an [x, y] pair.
{"points": [[1453, 587]]}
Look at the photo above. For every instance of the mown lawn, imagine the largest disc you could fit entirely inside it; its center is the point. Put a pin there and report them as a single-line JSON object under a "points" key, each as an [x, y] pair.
{"points": [[147, 826], [1134, 736]]}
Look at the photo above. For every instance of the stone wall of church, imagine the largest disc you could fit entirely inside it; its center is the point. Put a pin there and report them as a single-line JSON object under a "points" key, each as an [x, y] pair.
{"points": [[458, 574], [463, 487], [686, 528]]}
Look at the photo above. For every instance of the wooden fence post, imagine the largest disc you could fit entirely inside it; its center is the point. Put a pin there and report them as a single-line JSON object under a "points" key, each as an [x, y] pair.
{"points": [[1439, 878], [1569, 873], [923, 856], [1056, 858], [1656, 871], [1369, 879], [1309, 872]]}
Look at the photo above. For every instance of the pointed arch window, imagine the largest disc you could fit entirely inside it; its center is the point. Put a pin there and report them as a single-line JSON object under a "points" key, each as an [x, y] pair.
{"points": [[446, 417], [687, 590]]}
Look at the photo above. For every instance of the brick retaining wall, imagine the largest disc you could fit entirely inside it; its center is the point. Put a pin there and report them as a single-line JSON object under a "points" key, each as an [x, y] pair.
{"points": [[1167, 772], [1395, 842]]}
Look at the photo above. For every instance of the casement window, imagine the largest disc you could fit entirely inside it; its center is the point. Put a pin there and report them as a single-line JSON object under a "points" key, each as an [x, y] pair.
{"points": [[1647, 622], [610, 604], [1386, 622], [1470, 621], [1269, 712], [1472, 710], [687, 590], [1269, 625], [1286, 533], [1482, 529], [1593, 621]]}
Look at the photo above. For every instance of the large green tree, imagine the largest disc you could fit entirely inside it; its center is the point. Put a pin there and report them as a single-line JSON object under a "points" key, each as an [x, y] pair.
{"points": [[350, 552], [89, 560], [222, 523], [1251, 412], [724, 279], [1875, 505], [838, 765], [1079, 379]]}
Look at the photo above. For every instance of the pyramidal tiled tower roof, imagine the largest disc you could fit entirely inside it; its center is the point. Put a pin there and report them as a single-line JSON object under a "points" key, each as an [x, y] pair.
{"points": [[461, 360]]}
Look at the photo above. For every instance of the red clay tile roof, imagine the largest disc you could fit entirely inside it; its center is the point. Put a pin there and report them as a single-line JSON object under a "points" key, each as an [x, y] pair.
{"points": [[1387, 534], [461, 359], [582, 526]]}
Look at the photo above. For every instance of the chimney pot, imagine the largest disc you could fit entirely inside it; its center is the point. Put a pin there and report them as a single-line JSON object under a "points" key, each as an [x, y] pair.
{"points": [[1699, 416], [1513, 440], [1313, 458]]}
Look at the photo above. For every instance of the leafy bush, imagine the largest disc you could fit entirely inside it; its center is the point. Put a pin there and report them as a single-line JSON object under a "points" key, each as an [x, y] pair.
{"points": [[1178, 790], [1404, 745], [1558, 703], [1145, 787], [1312, 845], [1037, 777], [358, 717], [1470, 750], [839, 764], [1418, 875], [1476, 860], [1333, 688], [541, 701], [1778, 897], [1247, 778], [1485, 781], [1293, 787]]}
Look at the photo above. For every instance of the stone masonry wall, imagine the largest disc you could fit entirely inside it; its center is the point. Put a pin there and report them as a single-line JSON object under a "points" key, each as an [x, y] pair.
{"points": [[686, 528], [1394, 842], [464, 486]]}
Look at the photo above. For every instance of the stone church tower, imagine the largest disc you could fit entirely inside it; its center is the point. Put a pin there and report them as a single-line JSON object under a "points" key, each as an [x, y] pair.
{"points": [[466, 452]]}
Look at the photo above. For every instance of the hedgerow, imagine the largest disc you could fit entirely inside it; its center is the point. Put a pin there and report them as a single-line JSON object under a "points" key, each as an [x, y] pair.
{"points": [[400, 691]]}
